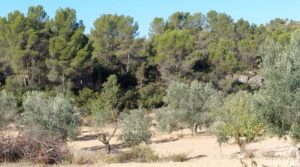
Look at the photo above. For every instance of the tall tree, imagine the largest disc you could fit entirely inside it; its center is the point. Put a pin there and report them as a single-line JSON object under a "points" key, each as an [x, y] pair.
{"points": [[68, 47], [173, 47], [220, 24], [113, 39], [24, 42]]}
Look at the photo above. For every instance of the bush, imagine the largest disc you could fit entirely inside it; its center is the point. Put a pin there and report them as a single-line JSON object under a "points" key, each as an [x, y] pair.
{"points": [[8, 108], [135, 128], [40, 149], [84, 99], [140, 153], [54, 116], [177, 157], [86, 157]]}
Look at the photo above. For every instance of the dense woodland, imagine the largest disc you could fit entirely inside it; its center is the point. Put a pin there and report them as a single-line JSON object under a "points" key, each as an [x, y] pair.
{"points": [[189, 71]]}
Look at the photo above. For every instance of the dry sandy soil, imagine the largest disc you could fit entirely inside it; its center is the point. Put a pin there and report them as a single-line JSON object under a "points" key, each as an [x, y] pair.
{"points": [[203, 150]]}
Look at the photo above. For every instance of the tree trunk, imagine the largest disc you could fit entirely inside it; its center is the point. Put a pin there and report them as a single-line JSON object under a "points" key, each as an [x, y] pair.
{"points": [[297, 157], [242, 145], [194, 130], [107, 148], [103, 138]]}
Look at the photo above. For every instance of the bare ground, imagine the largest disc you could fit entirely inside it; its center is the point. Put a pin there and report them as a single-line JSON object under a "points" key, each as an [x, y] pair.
{"points": [[202, 150]]}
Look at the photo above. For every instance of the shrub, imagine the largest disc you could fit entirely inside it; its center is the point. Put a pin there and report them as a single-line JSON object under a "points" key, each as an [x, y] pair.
{"points": [[86, 157], [135, 128], [8, 108], [54, 116], [182, 157], [84, 99], [37, 149], [140, 153]]}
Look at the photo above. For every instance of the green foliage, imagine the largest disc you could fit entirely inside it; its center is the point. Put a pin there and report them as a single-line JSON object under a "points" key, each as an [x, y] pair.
{"points": [[8, 108], [237, 119], [113, 40], [54, 54], [172, 48], [104, 106], [190, 104], [135, 128], [53, 116], [157, 26], [167, 120], [218, 128], [84, 99], [278, 101], [151, 95], [223, 56], [129, 99], [111, 91], [220, 24], [68, 48]]}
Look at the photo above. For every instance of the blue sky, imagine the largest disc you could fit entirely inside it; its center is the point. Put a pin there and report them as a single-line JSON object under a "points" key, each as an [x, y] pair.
{"points": [[255, 11]]}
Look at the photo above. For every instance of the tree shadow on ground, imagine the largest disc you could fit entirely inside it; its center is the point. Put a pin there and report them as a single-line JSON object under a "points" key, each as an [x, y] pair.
{"points": [[99, 148], [196, 157], [165, 140], [87, 137]]}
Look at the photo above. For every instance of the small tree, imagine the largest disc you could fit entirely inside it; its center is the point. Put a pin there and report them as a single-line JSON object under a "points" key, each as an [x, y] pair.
{"points": [[104, 110], [236, 119], [190, 105], [8, 108], [53, 116], [111, 92], [84, 99], [135, 128]]}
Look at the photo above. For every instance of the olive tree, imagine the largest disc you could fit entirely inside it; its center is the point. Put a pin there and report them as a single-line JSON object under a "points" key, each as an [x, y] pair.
{"points": [[189, 104], [236, 119], [54, 116], [104, 110], [279, 99], [135, 127]]}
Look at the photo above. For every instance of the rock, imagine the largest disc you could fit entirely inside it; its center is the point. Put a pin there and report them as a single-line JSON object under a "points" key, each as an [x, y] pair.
{"points": [[256, 80], [243, 79]]}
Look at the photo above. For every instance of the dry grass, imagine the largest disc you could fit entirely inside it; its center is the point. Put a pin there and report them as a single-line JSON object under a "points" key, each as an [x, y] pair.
{"points": [[20, 164], [86, 157], [181, 157], [141, 153]]}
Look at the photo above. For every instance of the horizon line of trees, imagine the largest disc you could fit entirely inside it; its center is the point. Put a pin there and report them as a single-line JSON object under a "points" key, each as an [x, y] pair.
{"points": [[42, 53]]}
